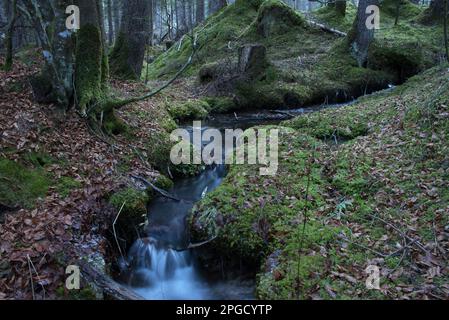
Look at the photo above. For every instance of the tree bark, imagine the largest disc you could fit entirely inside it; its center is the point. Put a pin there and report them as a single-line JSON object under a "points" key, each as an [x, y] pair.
{"points": [[361, 37], [110, 22], [129, 50], [200, 14], [446, 5], [216, 5], [91, 59], [435, 12], [9, 36]]}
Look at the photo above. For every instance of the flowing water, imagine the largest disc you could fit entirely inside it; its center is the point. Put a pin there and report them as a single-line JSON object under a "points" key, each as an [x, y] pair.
{"points": [[160, 268]]}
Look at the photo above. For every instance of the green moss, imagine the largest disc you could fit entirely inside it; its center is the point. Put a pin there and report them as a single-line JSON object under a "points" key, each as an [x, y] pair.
{"points": [[113, 124], [163, 182], [209, 72], [134, 201], [263, 227], [20, 186], [275, 17], [66, 184], [190, 109], [90, 62], [221, 104], [118, 59]]}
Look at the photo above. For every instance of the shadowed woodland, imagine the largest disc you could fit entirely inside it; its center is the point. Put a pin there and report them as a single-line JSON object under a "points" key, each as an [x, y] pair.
{"points": [[86, 178]]}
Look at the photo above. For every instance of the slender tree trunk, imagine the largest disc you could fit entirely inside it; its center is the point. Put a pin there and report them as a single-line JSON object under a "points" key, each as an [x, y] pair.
{"points": [[199, 11], [9, 36], [445, 28], [361, 37], [116, 13], [398, 12], [110, 22], [129, 50]]}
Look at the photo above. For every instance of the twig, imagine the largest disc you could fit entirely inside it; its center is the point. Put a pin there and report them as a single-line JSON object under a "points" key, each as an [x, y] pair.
{"points": [[115, 233], [31, 277], [196, 245], [158, 190], [415, 241]]}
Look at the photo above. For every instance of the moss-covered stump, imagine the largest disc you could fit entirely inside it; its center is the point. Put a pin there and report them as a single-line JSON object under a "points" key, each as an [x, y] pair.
{"points": [[252, 61], [132, 205], [275, 17]]}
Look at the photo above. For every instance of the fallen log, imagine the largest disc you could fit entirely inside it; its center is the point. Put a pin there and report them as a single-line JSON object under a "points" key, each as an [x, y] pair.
{"points": [[327, 29], [109, 287]]}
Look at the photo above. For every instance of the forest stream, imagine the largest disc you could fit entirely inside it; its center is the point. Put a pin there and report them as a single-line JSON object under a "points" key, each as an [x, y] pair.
{"points": [[159, 269]]}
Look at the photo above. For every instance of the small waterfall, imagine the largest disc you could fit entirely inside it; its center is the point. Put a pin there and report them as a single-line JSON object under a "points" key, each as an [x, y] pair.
{"points": [[163, 273]]}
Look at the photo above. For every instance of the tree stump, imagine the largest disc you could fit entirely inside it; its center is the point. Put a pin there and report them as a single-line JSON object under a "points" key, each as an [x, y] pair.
{"points": [[252, 60]]}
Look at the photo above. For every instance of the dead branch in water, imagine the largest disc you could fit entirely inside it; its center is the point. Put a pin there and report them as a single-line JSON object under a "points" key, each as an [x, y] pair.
{"points": [[158, 190]]}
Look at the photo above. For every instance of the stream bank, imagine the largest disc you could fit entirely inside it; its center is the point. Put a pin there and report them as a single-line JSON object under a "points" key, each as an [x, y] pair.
{"points": [[160, 265]]}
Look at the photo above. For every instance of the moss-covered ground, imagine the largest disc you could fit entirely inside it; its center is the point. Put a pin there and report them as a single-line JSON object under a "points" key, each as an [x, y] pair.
{"points": [[307, 65], [363, 185]]}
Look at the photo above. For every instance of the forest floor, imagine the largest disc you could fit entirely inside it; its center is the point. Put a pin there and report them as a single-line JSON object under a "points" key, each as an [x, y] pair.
{"points": [[359, 186], [378, 196], [57, 174]]}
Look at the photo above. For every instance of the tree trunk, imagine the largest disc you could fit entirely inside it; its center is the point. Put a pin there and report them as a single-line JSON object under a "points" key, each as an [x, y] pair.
{"points": [[446, 4], [361, 37], [55, 83], [110, 22], [216, 5], [199, 11], [435, 12], [340, 7], [9, 36], [91, 60], [129, 51], [117, 4]]}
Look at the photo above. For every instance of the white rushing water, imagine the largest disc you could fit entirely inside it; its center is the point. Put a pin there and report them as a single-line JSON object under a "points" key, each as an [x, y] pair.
{"points": [[162, 273]]}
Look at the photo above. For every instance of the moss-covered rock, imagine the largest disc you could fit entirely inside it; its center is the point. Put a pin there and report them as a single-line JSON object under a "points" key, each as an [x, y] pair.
{"points": [[221, 104], [189, 110], [132, 205], [164, 183]]}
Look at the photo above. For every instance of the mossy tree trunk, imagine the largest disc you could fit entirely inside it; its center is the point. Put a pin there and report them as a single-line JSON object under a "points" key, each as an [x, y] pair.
{"points": [[9, 35], [361, 36], [91, 60], [129, 50], [340, 7]]}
